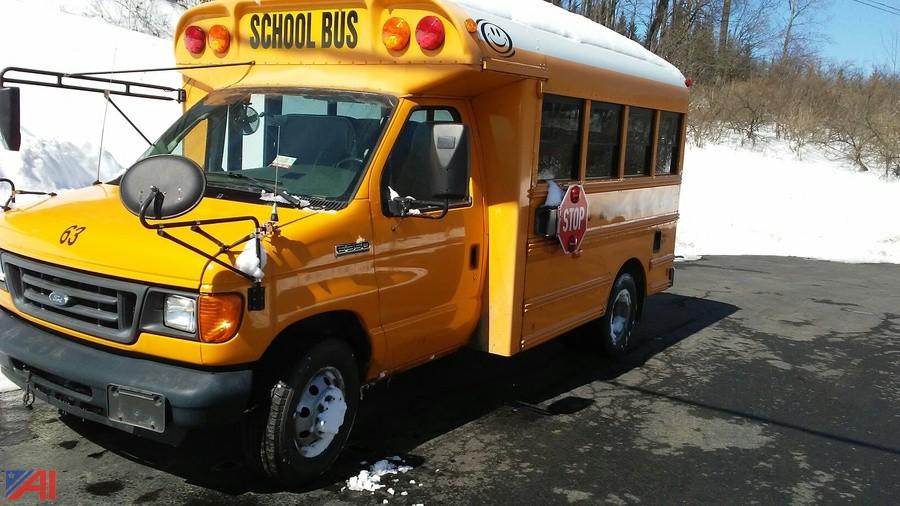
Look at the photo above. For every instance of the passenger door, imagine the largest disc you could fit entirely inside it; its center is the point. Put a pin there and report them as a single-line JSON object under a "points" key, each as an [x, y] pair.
{"points": [[429, 271]]}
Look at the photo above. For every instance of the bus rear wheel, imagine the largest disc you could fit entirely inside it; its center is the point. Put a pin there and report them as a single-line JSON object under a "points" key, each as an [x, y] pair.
{"points": [[618, 323], [302, 428]]}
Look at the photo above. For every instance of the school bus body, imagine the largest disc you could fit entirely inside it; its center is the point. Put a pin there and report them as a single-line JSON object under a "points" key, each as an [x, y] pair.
{"points": [[481, 276]]}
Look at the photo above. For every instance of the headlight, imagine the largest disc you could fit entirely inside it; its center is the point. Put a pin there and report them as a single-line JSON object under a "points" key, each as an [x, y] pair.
{"points": [[180, 314]]}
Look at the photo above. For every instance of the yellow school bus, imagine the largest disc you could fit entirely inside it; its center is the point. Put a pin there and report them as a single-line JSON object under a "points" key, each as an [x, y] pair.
{"points": [[355, 188]]}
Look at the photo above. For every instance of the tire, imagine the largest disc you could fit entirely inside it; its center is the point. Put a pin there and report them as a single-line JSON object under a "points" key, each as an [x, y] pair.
{"points": [[618, 323], [286, 439]]}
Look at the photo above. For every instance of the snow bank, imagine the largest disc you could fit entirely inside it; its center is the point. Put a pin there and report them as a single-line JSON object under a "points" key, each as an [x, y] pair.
{"points": [[766, 201], [61, 130]]}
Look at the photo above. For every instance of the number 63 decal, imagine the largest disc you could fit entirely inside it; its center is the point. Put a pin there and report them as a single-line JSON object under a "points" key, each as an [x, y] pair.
{"points": [[70, 235]]}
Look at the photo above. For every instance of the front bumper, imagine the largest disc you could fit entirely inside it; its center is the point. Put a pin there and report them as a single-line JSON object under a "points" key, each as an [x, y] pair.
{"points": [[76, 378]]}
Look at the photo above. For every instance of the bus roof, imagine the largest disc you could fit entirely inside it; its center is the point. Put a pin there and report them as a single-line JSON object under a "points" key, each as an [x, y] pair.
{"points": [[547, 29]]}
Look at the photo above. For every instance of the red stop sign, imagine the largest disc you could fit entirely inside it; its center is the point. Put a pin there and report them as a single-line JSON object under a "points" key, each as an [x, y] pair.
{"points": [[572, 218]]}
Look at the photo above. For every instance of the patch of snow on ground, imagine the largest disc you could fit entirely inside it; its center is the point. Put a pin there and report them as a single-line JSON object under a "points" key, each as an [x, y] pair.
{"points": [[369, 480], [767, 201], [6, 385]]}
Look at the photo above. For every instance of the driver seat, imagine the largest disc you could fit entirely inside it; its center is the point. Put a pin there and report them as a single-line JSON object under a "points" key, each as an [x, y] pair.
{"points": [[317, 140]]}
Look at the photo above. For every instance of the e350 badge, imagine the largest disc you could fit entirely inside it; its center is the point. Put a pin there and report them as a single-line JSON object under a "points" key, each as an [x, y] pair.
{"points": [[361, 246]]}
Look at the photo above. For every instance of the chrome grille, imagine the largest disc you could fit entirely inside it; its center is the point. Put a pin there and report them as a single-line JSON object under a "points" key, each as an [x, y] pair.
{"points": [[95, 305]]}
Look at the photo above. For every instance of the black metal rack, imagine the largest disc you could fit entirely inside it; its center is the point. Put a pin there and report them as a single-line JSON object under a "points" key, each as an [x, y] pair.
{"points": [[90, 83]]}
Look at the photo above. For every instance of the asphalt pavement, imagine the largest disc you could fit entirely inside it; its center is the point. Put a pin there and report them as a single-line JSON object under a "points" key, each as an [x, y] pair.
{"points": [[754, 380]]}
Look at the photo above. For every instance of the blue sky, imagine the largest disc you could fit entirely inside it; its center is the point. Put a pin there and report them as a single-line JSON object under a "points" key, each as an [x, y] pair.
{"points": [[859, 34]]}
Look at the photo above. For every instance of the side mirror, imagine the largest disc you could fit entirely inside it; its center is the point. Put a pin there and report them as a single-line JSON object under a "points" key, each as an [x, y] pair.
{"points": [[436, 171], [448, 164], [10, 130], [162, 187]]}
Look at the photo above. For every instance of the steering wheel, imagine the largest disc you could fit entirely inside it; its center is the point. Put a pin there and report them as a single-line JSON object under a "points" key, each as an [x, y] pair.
{"points": [[353, 159]]}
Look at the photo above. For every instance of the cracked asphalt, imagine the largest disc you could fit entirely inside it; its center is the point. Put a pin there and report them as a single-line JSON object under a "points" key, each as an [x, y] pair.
{"points": [[754, 380]]}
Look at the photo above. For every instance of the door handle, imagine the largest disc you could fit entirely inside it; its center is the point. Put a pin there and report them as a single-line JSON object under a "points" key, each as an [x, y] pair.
{"points": [[474, 257]]}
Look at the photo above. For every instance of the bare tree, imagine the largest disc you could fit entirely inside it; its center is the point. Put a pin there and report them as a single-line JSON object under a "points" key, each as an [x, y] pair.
{"points": [[139, 15], [723, 25], [800, 27], [657, 18], [187, 4]]}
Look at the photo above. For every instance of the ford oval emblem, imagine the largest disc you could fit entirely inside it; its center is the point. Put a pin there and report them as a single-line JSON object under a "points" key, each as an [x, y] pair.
{"points": [[59, 299]]}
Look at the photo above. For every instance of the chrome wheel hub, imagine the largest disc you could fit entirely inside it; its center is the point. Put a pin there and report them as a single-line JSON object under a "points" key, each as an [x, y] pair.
{"points": [[320, 413], [620, 321]]}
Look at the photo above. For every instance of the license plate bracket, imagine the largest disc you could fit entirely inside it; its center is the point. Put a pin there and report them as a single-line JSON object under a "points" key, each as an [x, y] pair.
{"points": [[138, 408]]}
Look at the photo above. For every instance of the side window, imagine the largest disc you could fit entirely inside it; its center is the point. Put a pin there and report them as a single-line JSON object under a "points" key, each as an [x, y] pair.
{"points": [[560, 150], [603, 140], [668, 143], [640, 142], [434, 115], [404, 173]]}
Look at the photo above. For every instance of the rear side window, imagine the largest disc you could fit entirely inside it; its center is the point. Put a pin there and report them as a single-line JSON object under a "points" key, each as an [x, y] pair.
{"points": [[640, 142], [560, 150], [668, 143], [603, 140]]}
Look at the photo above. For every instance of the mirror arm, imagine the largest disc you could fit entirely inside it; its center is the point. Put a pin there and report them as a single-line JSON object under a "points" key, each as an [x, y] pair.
{"points": [[195, 226], [13, 192], [405, 210], [12, 195], [444, 212], [256, 294]]}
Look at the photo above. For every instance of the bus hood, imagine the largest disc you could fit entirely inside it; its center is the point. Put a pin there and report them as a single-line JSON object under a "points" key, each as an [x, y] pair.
{"points": [[90, 230]]}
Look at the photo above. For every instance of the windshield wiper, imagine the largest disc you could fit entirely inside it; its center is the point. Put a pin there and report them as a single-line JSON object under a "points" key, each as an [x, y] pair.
{"points": [[267, 186]]}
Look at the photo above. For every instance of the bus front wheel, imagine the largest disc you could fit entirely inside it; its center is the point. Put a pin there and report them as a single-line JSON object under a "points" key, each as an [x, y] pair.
{"points": [[308, 416]]}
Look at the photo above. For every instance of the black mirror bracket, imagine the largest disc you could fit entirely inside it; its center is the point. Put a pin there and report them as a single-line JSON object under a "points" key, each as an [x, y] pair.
{"points": [[402, 208], [12, 195], [13, 192], [256, 296]]}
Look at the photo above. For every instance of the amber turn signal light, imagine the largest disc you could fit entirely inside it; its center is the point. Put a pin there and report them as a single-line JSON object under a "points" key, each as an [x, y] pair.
{"points": [[396, 34], [219, 39], [220, 317]]}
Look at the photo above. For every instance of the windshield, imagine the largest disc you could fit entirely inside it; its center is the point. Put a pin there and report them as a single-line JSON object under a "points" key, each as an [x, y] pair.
{"points": [[316, 143]]}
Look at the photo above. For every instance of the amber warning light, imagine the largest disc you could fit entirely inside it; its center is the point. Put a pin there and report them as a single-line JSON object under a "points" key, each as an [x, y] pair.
{"points": [[219, 39], [220, 317], [396, 34]]}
